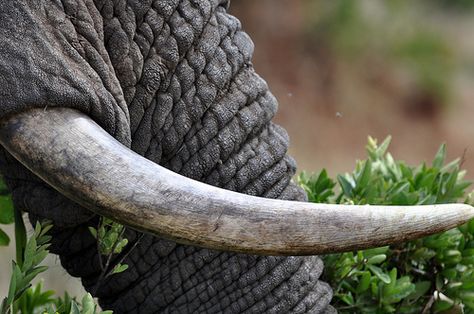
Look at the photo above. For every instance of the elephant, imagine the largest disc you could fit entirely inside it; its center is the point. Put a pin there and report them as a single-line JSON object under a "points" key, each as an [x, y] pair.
{"points": [[150, 112]]}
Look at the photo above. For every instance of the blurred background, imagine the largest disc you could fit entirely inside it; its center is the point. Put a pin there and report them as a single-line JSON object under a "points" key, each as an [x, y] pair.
{"points": [[345, 69]]}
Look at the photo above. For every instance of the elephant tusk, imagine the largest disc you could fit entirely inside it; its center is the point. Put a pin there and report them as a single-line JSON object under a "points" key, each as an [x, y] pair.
{"points": [[79, 159]]}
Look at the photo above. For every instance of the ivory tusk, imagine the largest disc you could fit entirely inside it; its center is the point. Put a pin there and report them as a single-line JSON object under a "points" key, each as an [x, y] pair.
{"points": [[78, 158]]}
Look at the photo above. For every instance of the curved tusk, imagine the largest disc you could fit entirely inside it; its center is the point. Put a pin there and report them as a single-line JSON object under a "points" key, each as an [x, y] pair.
{"points": [[79, 159]]}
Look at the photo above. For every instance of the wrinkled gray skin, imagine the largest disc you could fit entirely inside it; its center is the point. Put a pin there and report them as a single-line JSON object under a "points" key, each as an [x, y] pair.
{"points": [[173, 80]]}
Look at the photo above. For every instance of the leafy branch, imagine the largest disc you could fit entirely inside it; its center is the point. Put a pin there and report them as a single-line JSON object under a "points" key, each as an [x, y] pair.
{"points": [[433, 274], [111, 243], [23, 296]]}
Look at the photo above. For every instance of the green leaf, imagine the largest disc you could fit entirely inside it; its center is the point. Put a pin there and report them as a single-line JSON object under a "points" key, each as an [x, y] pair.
{"points": [[364, 282], [376, 251], [347, 298], [20, 236], [37, 230], [470, 226], [377, 259], [39, 256], [6, 210], [14, 287], [371, 148], [35, 298], [112, 237], [123, 243], [440, 157], [439, 282], [88, 305], [454, 285], [31, 274], [450, 273], [4, 239], [452, 166], [467, 295], [45, 227], [319, 188], [442, 305], [393, 277], [101, 231], [3, 187], [120, 268], [399, 289], [364, 177], [382, 149], [93, 231], [421, 288], [346, 186], [377, 271], [29, 253], [75, 308], [427, 181]]}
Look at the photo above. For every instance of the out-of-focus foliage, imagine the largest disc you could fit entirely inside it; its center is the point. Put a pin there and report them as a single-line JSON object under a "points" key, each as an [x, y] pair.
{"points": [[388, 34], [455, 4], [6, 212], [435, 273]]}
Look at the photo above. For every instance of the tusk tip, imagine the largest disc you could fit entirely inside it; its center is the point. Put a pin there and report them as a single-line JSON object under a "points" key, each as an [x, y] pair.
{"points": [[458, 213], [468, 211]]}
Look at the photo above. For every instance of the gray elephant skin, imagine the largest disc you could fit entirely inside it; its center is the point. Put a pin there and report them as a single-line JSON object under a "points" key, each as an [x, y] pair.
{"points": [[172, 80]]}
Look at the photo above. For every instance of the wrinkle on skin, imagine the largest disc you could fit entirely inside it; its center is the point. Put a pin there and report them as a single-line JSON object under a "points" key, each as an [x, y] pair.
{"points": [[173, 80]]}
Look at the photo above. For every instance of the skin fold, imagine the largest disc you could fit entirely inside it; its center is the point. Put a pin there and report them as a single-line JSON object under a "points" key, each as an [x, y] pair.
{"points": [[172, 80]]}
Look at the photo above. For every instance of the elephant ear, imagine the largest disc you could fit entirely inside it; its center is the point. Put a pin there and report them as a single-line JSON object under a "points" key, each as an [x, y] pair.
{"points": [[82, 161]]}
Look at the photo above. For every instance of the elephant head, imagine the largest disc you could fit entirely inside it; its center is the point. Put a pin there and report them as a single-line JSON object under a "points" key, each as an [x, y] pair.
{"points": [[149, 112]]}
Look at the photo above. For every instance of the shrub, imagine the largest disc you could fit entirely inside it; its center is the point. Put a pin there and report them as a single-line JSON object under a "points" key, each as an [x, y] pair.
{"points": [[433, 274], [23, 297]]}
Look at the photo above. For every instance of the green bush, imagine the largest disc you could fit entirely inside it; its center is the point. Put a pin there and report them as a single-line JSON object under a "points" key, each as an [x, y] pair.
{"points": [[397, 36], [433, 274], [22, 296], [456, 4]]}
